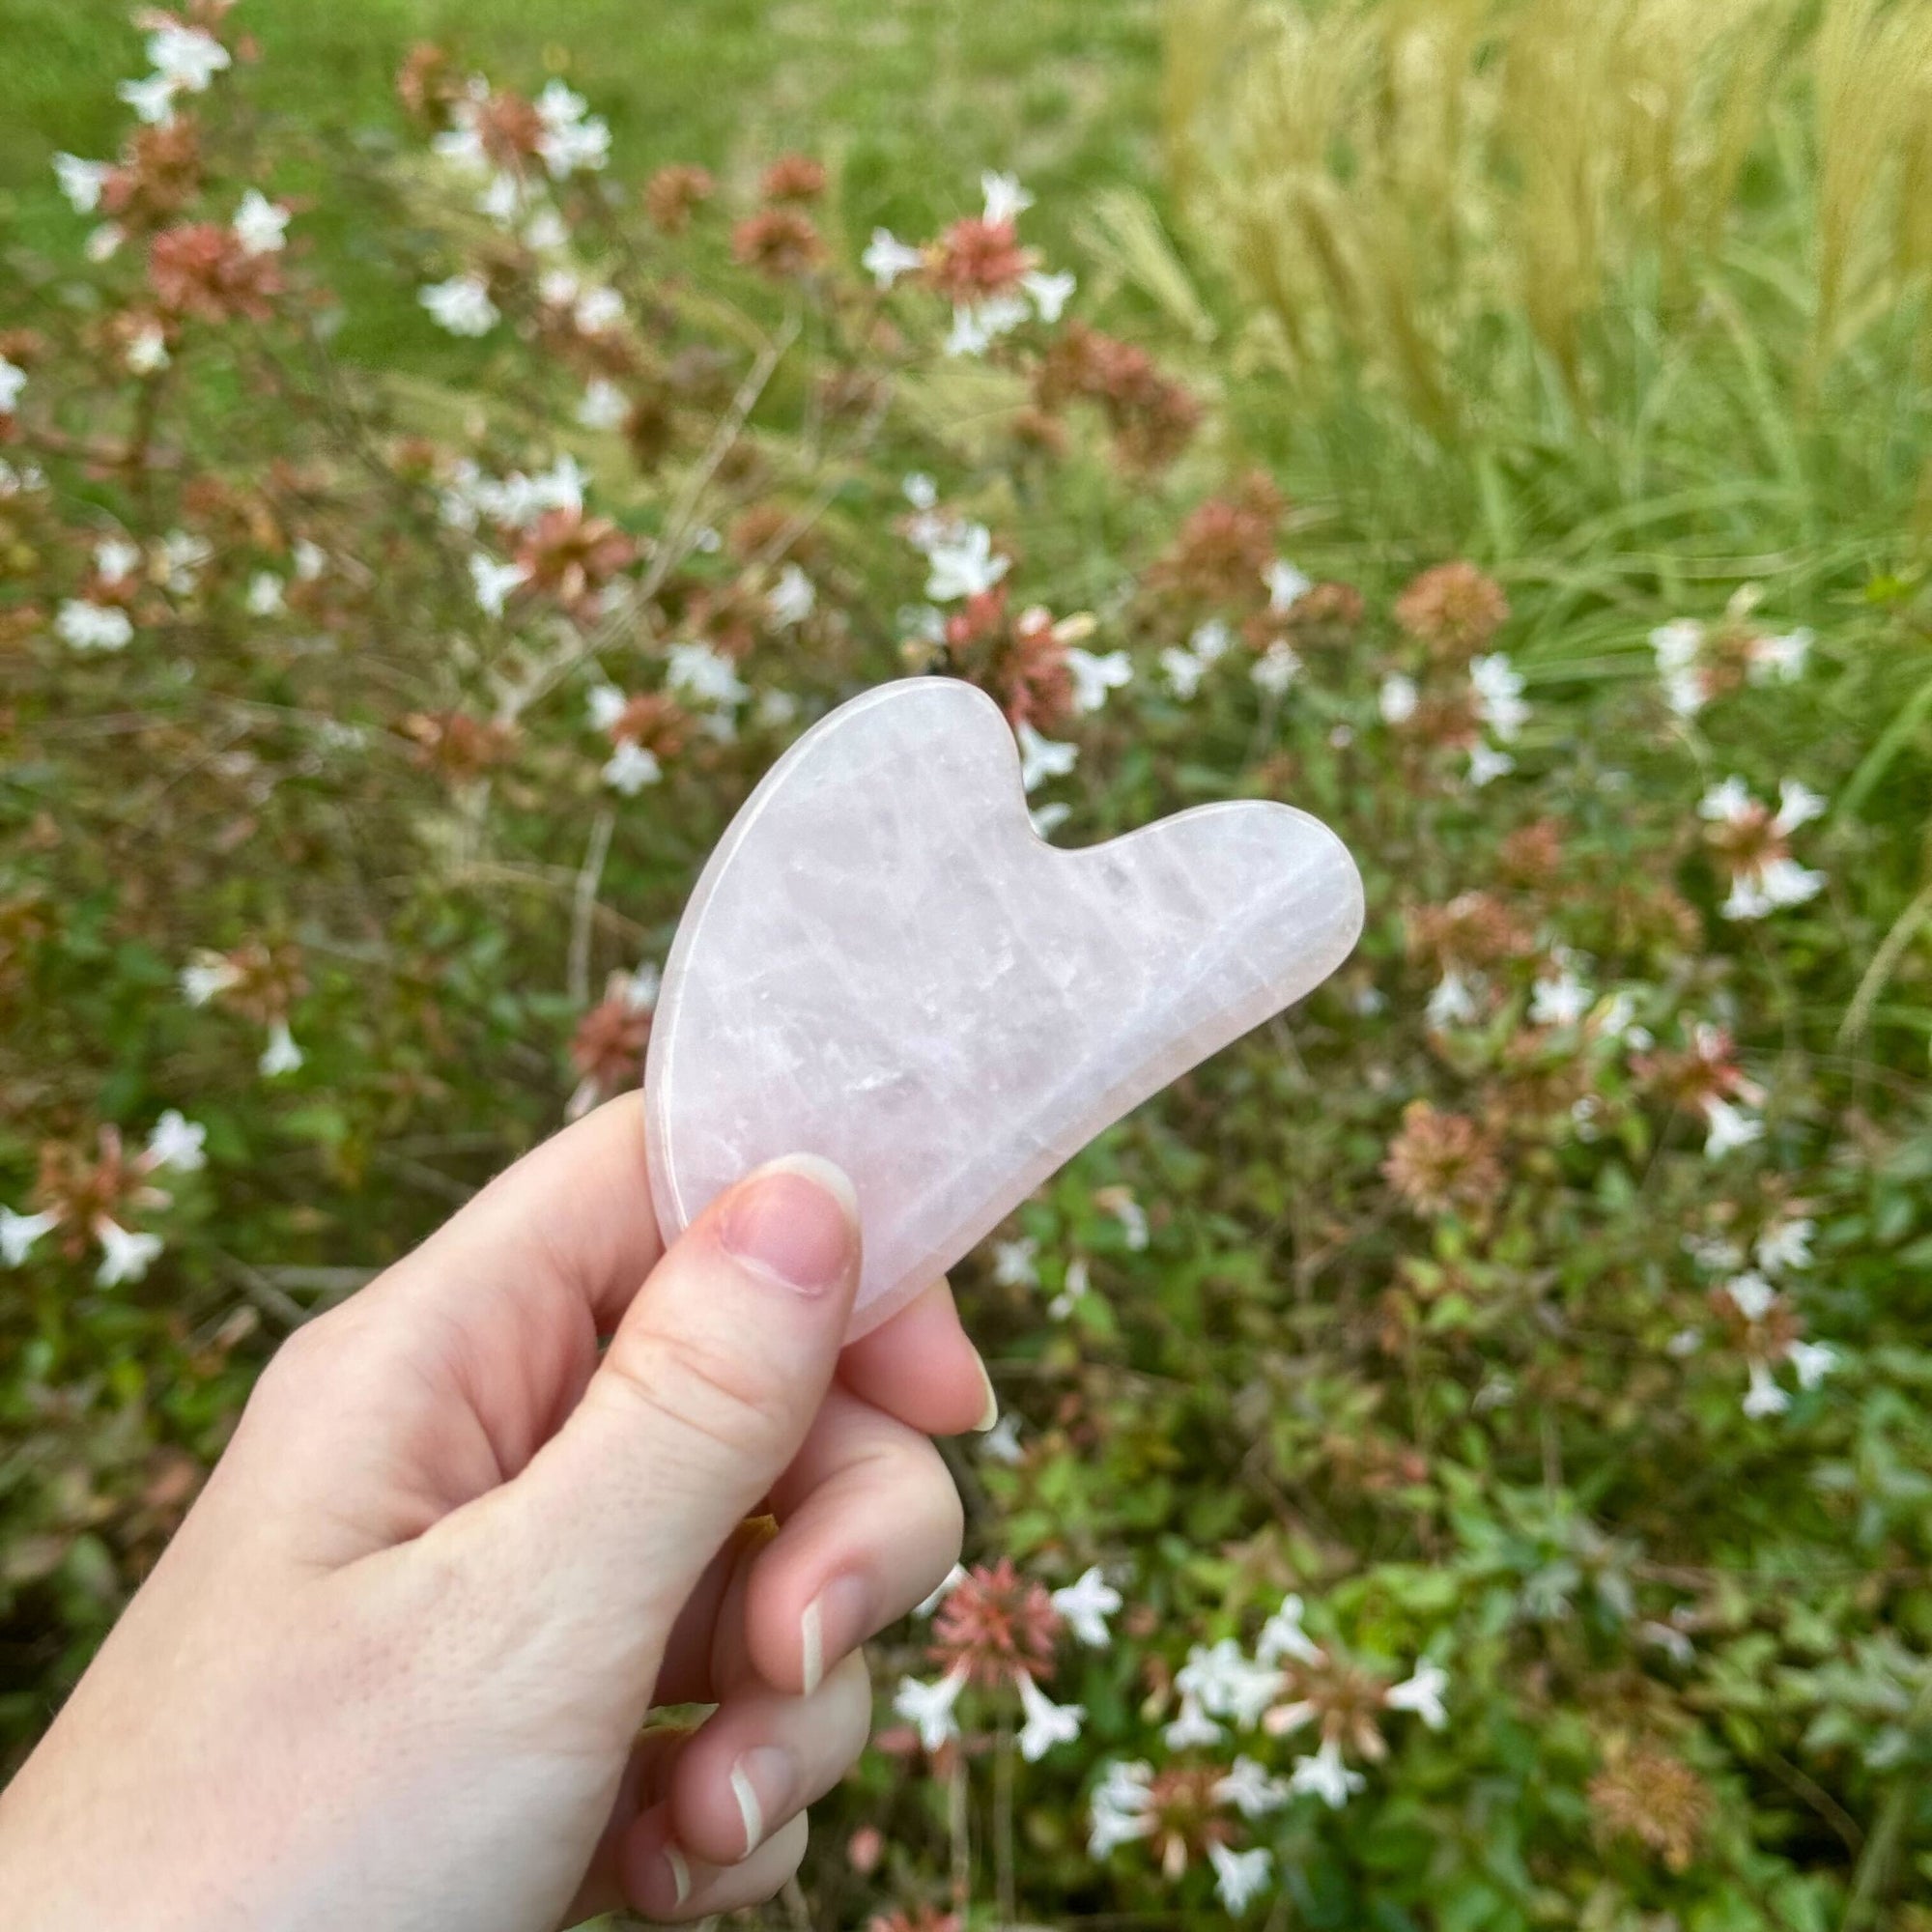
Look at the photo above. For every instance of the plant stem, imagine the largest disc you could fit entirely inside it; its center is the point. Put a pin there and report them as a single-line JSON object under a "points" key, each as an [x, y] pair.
{"points": [[1003, 1820], [956, 1828]]}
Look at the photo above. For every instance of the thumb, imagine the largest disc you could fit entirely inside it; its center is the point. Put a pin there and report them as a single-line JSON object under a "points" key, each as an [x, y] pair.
{"points": [[702, 1399]]}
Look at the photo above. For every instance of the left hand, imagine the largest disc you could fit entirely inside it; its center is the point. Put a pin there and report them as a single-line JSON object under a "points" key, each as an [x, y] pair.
{"points": [[392, 1672]]}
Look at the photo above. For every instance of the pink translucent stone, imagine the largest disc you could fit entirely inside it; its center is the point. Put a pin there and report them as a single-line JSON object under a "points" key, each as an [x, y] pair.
{"points": [[885, 965]]}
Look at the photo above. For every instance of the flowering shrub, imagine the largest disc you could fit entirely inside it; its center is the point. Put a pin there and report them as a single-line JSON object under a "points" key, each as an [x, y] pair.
{"points": [[1463, 1454]]}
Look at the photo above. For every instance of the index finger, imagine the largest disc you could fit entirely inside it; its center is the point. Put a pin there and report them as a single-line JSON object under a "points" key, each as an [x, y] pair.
{"points": [[922, 1368]]}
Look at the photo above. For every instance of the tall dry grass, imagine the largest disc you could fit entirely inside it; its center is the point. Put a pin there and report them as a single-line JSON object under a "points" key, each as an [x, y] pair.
{"points": [[1461, 196]]}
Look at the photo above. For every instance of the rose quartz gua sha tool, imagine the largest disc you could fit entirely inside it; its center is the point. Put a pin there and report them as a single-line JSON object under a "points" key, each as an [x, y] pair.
{"points": [[884, 964]]}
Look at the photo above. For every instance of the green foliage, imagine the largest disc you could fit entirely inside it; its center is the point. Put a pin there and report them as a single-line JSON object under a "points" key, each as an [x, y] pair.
{"points": [[1544, 1305]]}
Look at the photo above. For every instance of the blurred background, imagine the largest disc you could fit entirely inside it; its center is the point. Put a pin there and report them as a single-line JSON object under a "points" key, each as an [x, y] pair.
{"points": [[1466, 1449]]}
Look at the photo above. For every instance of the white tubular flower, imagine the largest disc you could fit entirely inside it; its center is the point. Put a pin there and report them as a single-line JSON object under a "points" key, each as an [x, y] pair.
{"points": [[281, 1055], [1559, 1002], [1287, 586], [207, 974], [1000, 1443], [1677, 644], [1764, 1396], [1094, 676], [1043, 758], [604, 406], [1751, 1295], [1730, 1128], [1487, 764], [1121, 1809], [1120, 1202], [639, 990], [963, 563], [19, 1231], [151, 98], [1050, 292], [92, 627], [948, 1583], [1016, 1264], [177, 1141], [261, 225], [1781, 659], [1240, 1877], [81, 181], [1726, 804], [1212, 641], [1192, 1726], [1812, 1361], [793, 597], [1453, 1003], [123, 1256], [887, 258], [1780, 883], [1796, 805], [265, 597], [1251, 1790], [1325, 1776], [929, 1707], [1183, 671], [1397, 699], [1277, 668], [494, 582], [546, 232], [704, 675], [1078, 1282], [13, 381], [605, 706], [977, 327], [1421, 1692], [1048, 1723], [630, 768], [1006, 199], [1282, 1635], [1087, 1603], [187, 57], [775, 709], [1786, 1246], [116, 559], [1498, 687], [597, 310], [462, 305], [147, 351], [573, 138]]}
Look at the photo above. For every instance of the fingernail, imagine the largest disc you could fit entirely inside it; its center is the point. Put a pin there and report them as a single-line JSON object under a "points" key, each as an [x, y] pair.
{"points": [[838, 1619], [680, 1874], [990, 1414], [796, 1220], [764, 1781]]}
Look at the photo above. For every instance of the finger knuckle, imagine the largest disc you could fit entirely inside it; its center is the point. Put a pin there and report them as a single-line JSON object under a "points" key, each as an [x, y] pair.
{"points": [[696, 1387], [301, 1365]]}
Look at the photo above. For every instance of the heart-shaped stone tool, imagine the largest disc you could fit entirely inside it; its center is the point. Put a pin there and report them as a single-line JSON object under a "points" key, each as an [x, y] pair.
{"points": [[884, 964]]}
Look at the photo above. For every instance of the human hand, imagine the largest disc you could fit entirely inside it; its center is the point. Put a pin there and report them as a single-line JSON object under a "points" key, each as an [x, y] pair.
{"points": [[392, 1672]]}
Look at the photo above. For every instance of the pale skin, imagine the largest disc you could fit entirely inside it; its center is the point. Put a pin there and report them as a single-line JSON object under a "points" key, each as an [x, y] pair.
{"points": [[392, 1670]]}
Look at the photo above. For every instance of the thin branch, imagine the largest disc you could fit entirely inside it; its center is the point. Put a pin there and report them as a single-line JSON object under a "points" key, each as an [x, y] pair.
{"points": [[583, 904], [1884, 964], [673, 546], [957, 1832], [1820, 1801], [1005, 1892], [264, 1295], [432, 1182]]}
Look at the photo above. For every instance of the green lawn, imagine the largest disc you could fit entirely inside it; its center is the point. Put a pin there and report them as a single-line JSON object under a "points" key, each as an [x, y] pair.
{"points": [[909, 101]]}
